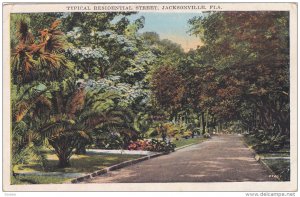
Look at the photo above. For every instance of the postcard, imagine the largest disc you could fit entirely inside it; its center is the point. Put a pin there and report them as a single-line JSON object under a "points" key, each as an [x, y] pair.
{"points": [[150, 97]]}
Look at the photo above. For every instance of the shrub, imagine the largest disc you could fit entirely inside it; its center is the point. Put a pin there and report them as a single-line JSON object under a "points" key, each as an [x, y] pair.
{"points": [[197, 130], [152, 145], [162, 146], [264, 142], [206, 135], [141, 145], [186, 134]]}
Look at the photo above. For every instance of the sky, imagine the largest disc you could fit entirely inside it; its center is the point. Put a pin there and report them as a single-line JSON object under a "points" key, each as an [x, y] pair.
{"points": [[172, 26]]}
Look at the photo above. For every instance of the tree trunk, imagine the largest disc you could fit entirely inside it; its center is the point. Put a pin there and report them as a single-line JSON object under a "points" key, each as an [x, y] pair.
{"points": [[164, 136], [63, 147], [206, 122], [203, 123], [63, 161]]}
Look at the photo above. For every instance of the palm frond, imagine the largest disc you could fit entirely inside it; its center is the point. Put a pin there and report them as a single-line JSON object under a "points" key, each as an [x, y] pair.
{"points": [[56, 42], [55, 24], [55, 127], [51, 61], [28, 100], [76, 102], [94, 97], [43, 60], [127, 131], [23, 33]]}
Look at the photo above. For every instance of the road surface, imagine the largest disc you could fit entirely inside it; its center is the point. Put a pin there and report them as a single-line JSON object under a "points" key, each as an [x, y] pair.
{"points": [[221, 159]]}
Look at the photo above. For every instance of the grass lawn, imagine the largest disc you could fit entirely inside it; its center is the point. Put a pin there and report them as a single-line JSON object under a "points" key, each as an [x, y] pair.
{"points": [[35, 179], [279, 154], [280, 167], [182, 142], [79, 164]]}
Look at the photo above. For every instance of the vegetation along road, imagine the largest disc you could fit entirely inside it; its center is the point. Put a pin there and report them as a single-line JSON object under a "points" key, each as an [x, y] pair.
{"points": [[222, 159]]}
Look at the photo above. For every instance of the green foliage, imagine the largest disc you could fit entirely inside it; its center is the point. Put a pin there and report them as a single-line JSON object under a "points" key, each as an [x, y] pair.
{"points": [[169, 130], [35, 62], [263, 142], [242, 78], [92, 42], [66, 115], [167, 52], [162, 146]]}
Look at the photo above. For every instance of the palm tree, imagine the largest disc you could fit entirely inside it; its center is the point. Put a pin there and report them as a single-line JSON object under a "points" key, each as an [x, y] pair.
{"points": [[49, 106], [39, 59], [37, 63], [76, 113]]}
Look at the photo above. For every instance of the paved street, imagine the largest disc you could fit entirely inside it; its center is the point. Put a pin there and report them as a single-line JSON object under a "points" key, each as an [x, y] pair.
{"points": [[220, 159]]}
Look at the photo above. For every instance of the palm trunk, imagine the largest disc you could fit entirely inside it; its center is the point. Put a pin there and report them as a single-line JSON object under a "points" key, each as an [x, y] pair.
{"points": [[63, 147], [64, 161]]}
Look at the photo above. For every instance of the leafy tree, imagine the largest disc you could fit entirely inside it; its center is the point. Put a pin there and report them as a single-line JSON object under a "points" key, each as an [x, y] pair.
{"points": [[167, 52], [129, 62], [167, 86], [246, 72], [93, 41]]}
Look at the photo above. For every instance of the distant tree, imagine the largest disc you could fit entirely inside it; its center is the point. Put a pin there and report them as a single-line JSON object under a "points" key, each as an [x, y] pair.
{"points": [[151, 37]]}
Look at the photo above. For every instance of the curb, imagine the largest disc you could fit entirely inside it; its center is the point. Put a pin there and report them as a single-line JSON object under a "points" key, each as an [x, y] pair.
{"points": [[255, 155], [121, 165], [260, 160], [114, 167]]}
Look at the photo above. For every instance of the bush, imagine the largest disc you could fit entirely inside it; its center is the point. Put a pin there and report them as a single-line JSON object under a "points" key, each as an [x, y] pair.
{"points": [[141, 145], [197, 130], [186, 134], [162, 146], [170, 130], [265, 142], [153, 145], [206, 135]]}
